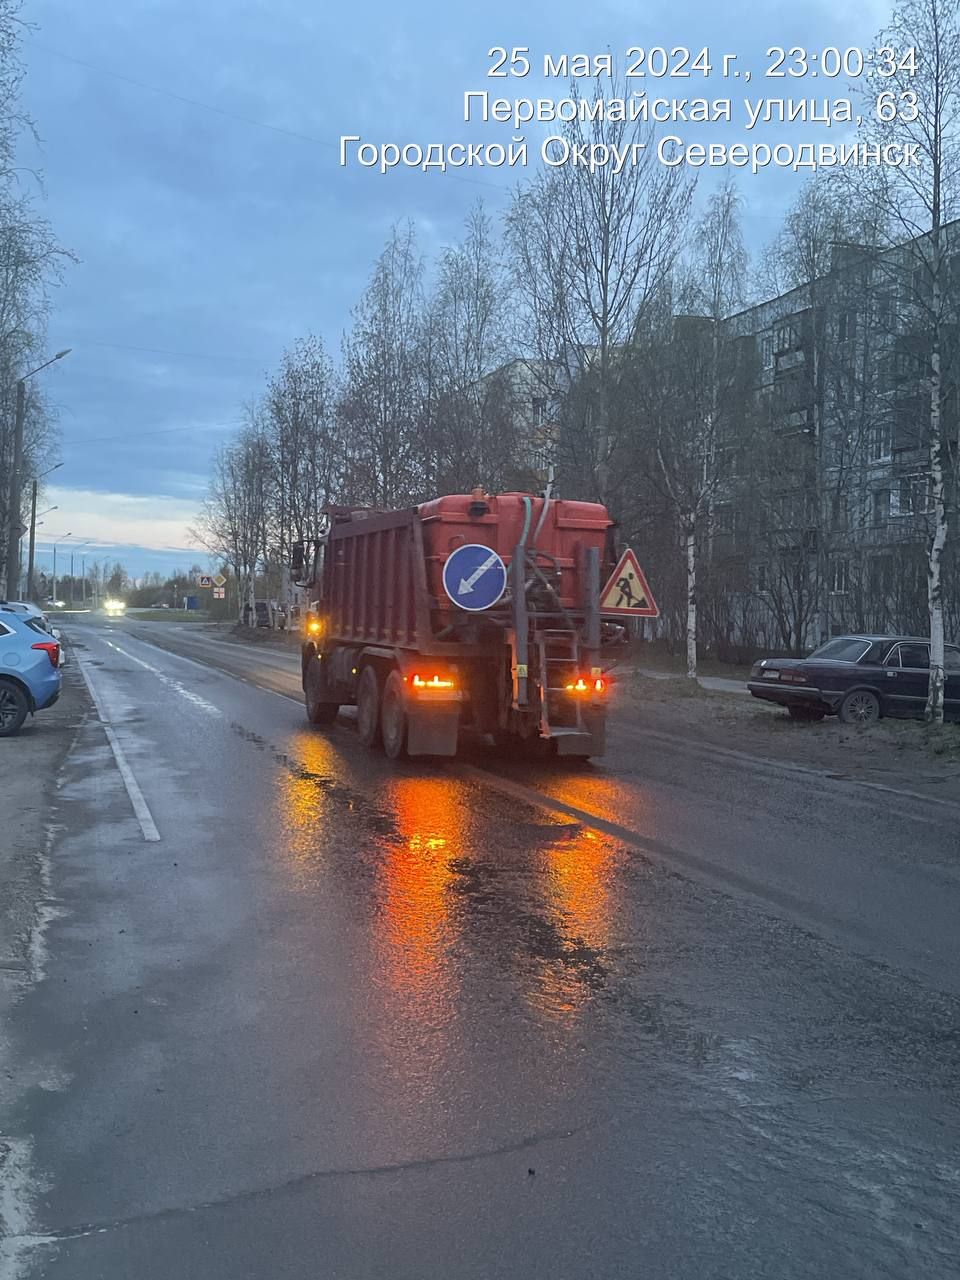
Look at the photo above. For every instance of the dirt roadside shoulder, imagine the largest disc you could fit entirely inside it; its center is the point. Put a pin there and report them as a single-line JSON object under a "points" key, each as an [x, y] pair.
{"points": [[902, 754], [30, 769]]}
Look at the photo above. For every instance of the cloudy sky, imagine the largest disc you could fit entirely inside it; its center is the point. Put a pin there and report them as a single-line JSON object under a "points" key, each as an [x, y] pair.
{"points": [[191, 161]]}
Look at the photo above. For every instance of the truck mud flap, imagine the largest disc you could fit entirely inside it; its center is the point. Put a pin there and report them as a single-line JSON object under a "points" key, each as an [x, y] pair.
{"points": [[433, 731], [589, 741]]}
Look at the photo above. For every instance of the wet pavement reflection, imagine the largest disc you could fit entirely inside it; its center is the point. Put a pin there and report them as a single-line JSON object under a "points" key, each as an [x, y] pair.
{"points": [[416, 923], [444, 890]]}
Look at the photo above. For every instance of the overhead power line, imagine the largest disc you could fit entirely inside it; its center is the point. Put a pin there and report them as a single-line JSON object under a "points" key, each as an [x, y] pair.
{"points": [[166, 351], [223, 111], [179, 97], [133, 436]]}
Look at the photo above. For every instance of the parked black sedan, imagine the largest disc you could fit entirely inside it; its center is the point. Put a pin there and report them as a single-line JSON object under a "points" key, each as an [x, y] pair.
{"points": [[858, 678]]}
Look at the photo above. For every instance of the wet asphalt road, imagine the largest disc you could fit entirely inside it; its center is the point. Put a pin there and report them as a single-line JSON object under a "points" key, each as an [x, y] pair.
{"points": [[675, 1015]]}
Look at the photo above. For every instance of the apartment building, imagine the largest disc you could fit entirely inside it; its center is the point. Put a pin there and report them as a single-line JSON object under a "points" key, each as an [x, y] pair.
{"points": [[832, 527]]}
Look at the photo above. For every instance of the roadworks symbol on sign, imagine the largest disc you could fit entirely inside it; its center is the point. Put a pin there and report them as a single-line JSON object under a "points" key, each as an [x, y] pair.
{"points": [[627, 593]]}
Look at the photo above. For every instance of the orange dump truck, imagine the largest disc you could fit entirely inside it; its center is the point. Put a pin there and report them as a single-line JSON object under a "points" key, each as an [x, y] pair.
{"points": [[470, 614]]}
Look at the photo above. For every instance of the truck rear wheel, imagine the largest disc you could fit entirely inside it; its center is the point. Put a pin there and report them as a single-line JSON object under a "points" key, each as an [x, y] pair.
{"points": [[368, 707], [319, 709], [393, 717]]}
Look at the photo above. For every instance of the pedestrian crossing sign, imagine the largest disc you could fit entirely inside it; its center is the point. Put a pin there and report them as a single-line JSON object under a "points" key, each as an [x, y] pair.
{"points": [[627, 593]]}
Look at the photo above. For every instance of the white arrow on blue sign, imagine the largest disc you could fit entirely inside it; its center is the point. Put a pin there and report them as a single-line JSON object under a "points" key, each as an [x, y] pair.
{"points": [[474, 577]]}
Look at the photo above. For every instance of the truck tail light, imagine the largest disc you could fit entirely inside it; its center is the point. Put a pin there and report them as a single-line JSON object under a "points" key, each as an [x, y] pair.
{"points": [[52, 649], [434, 682], [587, 684]]}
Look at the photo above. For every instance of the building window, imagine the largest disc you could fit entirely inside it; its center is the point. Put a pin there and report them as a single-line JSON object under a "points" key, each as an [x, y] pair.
{"points": [[881, 507], [846, 326], [786, 336], [539, 411], [725, 519], [886, 313], [766, 350], [921, 282], [881, 438], [839, 513], [880, 575], [913, 495], [761, 577], [838, 576]]}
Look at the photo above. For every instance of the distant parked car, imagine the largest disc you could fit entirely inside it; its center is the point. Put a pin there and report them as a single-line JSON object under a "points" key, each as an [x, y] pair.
{"points": [[29, 670], [27, 609], [858, 678]]}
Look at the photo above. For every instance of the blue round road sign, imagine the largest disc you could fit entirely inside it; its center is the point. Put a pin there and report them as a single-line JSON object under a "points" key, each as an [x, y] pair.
{"points": [[474, 577]]}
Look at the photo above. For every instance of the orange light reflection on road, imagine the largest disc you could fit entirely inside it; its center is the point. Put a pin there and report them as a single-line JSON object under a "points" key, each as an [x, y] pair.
{"points": [[301, 804], [416, 908], [579, 902]]}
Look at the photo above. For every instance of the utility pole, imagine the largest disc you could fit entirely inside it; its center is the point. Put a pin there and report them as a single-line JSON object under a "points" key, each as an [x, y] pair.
{"points": [[13, 508], [33, 539], [33, 528], [13, 505]]}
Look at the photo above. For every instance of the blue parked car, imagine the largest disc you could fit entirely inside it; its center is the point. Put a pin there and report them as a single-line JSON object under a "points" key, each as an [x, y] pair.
{"points": [[29, 670]]}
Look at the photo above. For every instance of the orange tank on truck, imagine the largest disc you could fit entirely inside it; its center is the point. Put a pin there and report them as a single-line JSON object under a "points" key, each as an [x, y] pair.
{"points": [[469, 616]]}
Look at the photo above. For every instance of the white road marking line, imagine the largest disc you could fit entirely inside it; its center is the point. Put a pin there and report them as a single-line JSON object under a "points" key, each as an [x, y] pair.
{"points": [[162, 676], [140, 807]]}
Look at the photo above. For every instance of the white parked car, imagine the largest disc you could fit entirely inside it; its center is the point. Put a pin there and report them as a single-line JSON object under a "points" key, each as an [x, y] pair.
{"points": [[26, 609]]}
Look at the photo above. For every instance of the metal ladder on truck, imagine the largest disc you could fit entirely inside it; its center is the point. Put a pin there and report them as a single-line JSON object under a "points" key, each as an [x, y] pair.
{"points": [[559, 653]]}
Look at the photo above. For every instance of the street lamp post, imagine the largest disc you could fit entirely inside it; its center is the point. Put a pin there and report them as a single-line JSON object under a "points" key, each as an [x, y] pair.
{"points": [[16, 485], [33, 527], [73, 590], [55, 541]]}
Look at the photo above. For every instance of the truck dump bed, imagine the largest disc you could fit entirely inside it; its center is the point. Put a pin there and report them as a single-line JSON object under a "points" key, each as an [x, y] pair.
{"points": [[376, 580], [384, 575]]}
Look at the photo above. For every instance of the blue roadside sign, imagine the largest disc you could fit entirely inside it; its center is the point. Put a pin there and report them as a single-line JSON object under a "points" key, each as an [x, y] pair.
{"points": [[474, 577]]}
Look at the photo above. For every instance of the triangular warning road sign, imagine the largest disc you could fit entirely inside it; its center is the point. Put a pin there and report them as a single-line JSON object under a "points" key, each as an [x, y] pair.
{"points": [[627, 593]]}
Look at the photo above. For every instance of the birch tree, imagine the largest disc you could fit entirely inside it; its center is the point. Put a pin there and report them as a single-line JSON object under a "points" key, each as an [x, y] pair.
{"points": [[914, 93], [30, 263], [305, 448], [471, 431], [233, 516], [590, 249], [687, 380], [381, 407]]}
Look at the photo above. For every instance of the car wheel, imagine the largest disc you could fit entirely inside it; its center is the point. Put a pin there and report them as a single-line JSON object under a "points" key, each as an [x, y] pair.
{"points": [[368, 707], [860, 707], [14, 707], [319, 709], [393, 717], [806, 714]]}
